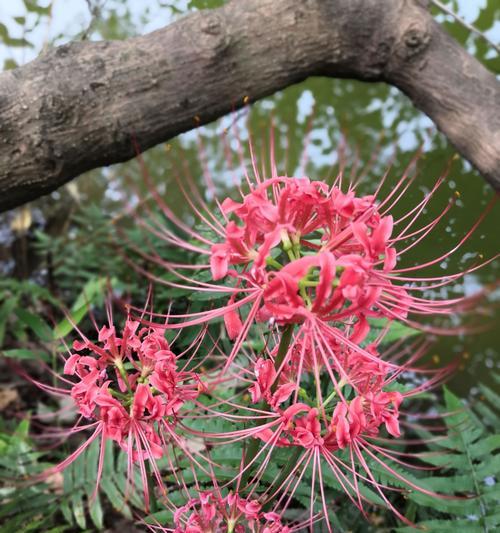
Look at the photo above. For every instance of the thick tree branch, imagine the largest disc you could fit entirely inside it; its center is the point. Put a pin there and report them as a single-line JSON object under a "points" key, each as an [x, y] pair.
{"points": [[76, 107]]}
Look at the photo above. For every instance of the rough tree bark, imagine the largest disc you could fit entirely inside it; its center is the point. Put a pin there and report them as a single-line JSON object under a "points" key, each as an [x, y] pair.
{"points": [[75, 107]]}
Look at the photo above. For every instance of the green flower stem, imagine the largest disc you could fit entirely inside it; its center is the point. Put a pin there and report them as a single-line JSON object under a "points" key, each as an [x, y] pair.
{"points": [[307, 283], [118, 395], [153, 504], [305, 296], [285, 472], [254, 445], [270, 261], [288, 247], [296, 245], [123, 373], [250, 454], [282, 351], [341, 383]]}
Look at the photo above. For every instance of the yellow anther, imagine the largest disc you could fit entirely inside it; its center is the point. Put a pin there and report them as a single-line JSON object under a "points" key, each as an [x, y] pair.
{"points": [[457, 194], [436, 359], [246, 99]]}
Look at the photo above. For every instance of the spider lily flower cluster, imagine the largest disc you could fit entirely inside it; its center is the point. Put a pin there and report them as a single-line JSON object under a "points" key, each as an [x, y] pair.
{"points": [[128, 384], [129, 388], [313, 268], [209, 511], [311, 286]]}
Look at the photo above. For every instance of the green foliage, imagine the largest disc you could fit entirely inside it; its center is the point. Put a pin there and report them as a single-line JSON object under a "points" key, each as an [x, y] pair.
{"points": [[392, 330], [28, 505], [206, 4], [85, 252], [470, 461], [94, 255], [22, 305], [15, 33], [93, 293], [85, 498], [12, 41]]}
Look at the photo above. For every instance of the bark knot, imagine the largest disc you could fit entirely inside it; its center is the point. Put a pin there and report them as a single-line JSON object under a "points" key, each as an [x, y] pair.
{"points": [[416, 40], [214, 39], [211, 25]]}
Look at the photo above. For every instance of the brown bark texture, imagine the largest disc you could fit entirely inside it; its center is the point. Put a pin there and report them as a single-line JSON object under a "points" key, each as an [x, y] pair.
{"points": [[77, 107]]}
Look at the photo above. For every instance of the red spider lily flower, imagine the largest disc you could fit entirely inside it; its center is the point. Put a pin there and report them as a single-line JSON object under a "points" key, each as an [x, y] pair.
{"points": [[266, 374], [132, 389], [317, 264], [334, 433], [298, 251], [212, 512], [215, 509]]}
